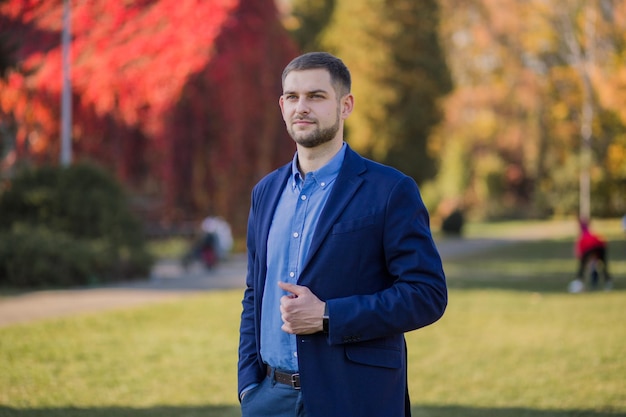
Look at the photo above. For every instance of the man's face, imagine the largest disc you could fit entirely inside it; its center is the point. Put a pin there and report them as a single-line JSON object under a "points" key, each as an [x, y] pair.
{"points": [[310, 107]]}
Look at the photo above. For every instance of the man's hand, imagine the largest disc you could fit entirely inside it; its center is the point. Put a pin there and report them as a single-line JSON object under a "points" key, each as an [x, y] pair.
{"points": [[301, 311]]}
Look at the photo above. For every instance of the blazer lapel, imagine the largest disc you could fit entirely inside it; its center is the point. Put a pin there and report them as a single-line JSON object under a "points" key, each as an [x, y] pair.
{"points": [[347, 183], [267, 207]]}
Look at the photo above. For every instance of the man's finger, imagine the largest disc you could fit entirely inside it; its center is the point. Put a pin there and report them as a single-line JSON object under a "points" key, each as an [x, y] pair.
{"points": [[292, 288]]}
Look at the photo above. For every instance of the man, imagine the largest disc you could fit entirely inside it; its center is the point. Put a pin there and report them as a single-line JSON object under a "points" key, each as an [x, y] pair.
{"points": [[341, 263]]}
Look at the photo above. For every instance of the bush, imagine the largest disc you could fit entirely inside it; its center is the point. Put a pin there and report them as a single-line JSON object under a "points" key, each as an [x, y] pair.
{"points": [[40, 257], [68, 226]]}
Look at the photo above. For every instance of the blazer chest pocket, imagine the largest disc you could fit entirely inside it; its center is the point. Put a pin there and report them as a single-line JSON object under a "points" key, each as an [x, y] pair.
{"points": [[353, 225]]}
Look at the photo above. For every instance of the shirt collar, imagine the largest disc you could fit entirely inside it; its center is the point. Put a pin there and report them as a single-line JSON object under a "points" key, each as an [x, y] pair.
{"points": [[323, 176]]}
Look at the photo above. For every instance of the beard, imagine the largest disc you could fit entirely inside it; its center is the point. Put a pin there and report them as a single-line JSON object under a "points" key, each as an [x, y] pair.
{"points": [[316, 137]]}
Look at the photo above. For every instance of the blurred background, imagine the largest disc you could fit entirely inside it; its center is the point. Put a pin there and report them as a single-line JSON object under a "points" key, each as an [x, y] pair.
{"points": [[133, 131], [500, 109]]}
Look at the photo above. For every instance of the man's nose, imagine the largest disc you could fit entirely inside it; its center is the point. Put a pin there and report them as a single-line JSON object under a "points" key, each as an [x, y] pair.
{"points": [[301, 106]]}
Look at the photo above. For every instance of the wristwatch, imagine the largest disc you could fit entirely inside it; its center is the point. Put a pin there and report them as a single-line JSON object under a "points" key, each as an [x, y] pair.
{"points": [[325, 319]]}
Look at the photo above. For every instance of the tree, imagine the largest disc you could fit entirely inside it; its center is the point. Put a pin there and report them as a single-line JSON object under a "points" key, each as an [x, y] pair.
{"points": [[306, 21], [398, 68], [179, 99], [523, 72]]}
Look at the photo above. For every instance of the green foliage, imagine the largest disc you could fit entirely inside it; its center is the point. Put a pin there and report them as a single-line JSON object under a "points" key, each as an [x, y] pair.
{"points": [[64, 226], [398, 71], [419, 76], [33, 257], [308, 20], [560, 189]]}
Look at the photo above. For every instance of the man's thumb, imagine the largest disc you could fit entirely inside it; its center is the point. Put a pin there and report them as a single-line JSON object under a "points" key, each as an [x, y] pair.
{"points": [[292, 288]]}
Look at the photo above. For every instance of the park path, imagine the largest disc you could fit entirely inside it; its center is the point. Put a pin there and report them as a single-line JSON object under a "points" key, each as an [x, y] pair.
{"points": [[168, 280]]}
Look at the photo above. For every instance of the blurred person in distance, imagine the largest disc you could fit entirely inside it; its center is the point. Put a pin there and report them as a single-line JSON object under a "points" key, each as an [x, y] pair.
{"points": [[591, 251]]}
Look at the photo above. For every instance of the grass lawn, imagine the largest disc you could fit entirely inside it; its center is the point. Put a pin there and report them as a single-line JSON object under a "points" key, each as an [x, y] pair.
{"points": [[513, 343]]}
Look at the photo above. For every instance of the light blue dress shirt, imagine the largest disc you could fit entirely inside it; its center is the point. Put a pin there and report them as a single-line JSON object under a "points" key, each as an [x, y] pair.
{"points": [[289, 240]]}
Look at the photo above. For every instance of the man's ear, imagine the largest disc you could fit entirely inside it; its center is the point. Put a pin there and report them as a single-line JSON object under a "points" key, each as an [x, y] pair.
{"points": [[347, 105]]}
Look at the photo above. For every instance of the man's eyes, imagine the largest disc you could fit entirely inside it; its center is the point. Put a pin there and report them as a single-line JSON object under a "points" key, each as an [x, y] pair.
{"points": [[293, 97]]}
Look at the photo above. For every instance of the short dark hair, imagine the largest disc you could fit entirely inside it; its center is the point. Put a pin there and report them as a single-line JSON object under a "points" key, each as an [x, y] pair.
{"points": [[339, 73]]}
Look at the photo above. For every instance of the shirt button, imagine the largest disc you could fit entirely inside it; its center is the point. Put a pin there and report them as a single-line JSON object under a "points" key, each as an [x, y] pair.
{"points": [[323, 184], [295, 354], [295, 234], [302, 197], [292, 274]]}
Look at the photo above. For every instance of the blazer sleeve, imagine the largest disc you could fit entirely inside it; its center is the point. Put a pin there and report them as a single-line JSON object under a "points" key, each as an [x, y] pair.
{"points": [[249, 369], [417, 296]]}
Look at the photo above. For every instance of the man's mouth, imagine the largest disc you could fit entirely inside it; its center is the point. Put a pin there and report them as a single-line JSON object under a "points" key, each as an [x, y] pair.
{"points": [[303, 122]]}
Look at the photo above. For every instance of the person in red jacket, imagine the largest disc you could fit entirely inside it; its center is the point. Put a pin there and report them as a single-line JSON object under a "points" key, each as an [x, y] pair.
{"points": [[590, 250]]}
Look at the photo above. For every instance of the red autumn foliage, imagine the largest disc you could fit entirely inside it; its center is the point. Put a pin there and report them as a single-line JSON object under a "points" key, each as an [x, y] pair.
{"points": [[177, 97]]}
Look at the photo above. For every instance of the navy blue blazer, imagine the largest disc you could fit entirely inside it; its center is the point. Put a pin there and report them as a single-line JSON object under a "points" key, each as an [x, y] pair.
{"points": [[374, 262]]}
